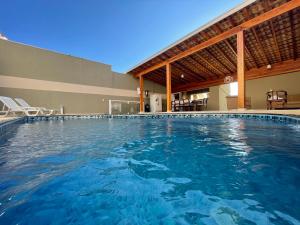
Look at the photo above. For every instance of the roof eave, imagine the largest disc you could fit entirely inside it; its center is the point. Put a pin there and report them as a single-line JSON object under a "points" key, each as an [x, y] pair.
{"points": [[203, 27]]}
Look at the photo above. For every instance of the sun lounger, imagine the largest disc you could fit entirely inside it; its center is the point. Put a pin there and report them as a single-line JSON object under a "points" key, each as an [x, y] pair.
{"points": [[11, 107], [43, 110]]}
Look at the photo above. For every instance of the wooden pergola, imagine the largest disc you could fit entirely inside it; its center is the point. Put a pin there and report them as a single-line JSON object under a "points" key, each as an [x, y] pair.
{"points": [[257, 39]]}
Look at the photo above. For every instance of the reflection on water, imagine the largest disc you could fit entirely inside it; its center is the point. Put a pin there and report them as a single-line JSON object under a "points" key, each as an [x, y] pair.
{"points": [[236, 138], [146, 171]]}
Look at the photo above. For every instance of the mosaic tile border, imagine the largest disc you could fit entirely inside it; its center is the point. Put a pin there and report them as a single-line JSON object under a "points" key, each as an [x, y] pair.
{"points": [[273, 117], [7, 126]]}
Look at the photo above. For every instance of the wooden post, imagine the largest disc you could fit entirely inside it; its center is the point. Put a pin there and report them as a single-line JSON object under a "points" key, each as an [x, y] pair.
{"points": [[168, 85], [141, 94], [241, 70]]}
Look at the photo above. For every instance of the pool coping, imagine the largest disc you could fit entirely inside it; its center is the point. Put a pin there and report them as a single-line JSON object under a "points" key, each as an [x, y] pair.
{"points": [[9, 124], [266, 116]]}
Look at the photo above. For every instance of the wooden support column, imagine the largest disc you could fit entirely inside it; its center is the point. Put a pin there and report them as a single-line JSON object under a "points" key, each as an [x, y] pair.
{"points": [[141, 94], [241, 70], [168, 85]]}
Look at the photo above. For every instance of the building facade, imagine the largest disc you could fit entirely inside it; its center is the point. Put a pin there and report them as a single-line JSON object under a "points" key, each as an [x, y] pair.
{"points": [[54, 80]]}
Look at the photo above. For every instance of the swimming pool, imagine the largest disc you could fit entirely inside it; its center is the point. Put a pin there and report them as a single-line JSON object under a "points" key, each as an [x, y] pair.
{"points": [[151, 171]]}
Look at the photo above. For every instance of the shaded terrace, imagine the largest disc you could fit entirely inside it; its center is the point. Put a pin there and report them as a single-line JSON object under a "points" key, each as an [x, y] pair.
{"points": [[254, 40]]}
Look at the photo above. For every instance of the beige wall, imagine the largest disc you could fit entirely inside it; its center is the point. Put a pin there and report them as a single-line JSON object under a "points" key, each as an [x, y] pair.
{"points": [[72, 102], [50, 79], [223, 92], [256, 89], [213, 100]]}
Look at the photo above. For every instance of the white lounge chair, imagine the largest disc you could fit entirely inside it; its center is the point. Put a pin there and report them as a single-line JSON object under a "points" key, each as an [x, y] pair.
{"points": [[43, 110], [10, 106]]}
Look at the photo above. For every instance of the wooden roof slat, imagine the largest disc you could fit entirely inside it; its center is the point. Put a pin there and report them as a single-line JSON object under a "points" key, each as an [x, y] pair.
{"points": [[198, 64], [295, 51], [228, 58], [175, 79], [285, 7], [272, 35], [248, 53], [267, 5], [156, 78], [176, 75], [210, 64], [192, 73], [246, 25], [230, 47], [278, 68], [210, 54], [275, 39], [260, 47], [233, 65], [186, 71]]}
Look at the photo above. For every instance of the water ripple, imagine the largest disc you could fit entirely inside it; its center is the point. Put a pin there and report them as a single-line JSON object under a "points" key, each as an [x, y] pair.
{"points": [[146, 171]]}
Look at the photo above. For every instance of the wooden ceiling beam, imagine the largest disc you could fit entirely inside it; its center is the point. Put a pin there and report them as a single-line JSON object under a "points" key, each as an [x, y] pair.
{"points": [[225, 56], [203, 68], [160, 73], [195, 86], [260, 47], [248, 53], [295, 50], [267, 6], [175, 79], [226, 40], [227, 43], [207, 43], [288, 66], [257, 39], [185, 69], [286, 7], [210, 64], [162, 79], [208, 52], [275, 39], [157, 82], [148, 70], [177, 75], [156, 78], [230, 47]]}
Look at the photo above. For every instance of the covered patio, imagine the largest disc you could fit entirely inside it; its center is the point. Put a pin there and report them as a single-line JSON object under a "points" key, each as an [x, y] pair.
{"points": [[254, 40]]}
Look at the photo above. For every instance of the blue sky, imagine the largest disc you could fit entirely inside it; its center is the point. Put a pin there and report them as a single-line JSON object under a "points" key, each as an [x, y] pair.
{"points": [[117, 32]]}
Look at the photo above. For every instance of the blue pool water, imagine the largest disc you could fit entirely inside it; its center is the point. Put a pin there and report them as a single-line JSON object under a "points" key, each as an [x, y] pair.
{"points": [[151, 171]]}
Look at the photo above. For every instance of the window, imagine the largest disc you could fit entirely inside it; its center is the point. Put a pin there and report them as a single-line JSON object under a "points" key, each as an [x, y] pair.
{"points": [[233, 89]]}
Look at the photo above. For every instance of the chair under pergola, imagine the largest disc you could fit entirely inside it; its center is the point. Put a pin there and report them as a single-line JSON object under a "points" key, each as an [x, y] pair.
{"points": [[256, 39]]}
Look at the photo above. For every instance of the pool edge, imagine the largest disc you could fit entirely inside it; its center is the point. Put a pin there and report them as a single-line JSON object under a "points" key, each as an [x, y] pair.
{"points": [[9, 124], [265, 116]]}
